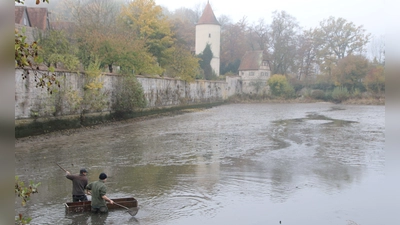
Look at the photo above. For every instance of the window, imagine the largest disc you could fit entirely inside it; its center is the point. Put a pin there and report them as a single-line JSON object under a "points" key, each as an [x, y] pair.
{"points": [[262, 73], [251, 74], [209, 35]]}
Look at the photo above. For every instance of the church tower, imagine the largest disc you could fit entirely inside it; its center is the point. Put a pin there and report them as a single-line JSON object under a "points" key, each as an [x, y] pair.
{"points": [[208, 31]]}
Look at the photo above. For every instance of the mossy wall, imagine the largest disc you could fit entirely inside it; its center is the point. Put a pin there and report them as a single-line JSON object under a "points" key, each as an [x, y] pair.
{"points": [[37, 111]]}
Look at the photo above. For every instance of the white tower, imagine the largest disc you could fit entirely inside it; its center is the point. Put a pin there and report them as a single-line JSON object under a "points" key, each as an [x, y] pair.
{"points": [[208, 31]]}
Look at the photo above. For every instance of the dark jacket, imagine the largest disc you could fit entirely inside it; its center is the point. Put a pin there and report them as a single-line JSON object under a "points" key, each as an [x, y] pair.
{"points": [[79, 183]]}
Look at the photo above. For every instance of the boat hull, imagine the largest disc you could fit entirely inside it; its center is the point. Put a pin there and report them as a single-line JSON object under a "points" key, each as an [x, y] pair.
{"points": [[79, 207]]}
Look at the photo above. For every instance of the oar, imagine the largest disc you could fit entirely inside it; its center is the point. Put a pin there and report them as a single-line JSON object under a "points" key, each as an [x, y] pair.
{"points": [[61, 167], [133, 211]]}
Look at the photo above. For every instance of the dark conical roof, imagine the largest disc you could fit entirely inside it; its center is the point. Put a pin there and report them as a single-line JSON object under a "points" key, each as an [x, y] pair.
{"points": [[208, 16]]}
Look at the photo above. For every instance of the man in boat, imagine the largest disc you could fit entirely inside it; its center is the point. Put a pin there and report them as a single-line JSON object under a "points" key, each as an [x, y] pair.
{"points": [[98, 191], [79, 183]]}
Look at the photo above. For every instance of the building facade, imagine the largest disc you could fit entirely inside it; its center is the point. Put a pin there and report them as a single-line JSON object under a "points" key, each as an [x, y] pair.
{"points": [[254, 72]]}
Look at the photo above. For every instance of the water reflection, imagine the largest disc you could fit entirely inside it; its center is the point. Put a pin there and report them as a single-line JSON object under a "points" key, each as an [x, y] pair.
{"points": [[194, 168]]}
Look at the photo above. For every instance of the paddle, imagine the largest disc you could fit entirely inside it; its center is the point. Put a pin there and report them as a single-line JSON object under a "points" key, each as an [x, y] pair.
{"points": [[133, 211], [61, 167]]}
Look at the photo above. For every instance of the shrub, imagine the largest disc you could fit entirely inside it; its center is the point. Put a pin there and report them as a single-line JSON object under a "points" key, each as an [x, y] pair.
{"points": [[130, 95], [356, 93], [340, 94], [280, 87], [318, 94], [288, 91]]}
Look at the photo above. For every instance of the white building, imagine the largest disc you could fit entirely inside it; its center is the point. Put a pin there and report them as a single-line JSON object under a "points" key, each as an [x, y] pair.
{"points": [[208, 31], [254, 72]]}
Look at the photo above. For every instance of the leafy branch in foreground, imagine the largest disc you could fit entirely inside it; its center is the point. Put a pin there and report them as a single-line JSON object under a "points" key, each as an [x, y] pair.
{"points": [[24, 193], [27, 57]]}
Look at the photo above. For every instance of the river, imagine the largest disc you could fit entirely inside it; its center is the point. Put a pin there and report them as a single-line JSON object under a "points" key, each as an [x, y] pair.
{"points": [[314, 163]]}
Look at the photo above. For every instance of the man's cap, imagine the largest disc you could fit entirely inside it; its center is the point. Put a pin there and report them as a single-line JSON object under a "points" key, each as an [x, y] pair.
{"points": [[102, 176], [83, 170]]}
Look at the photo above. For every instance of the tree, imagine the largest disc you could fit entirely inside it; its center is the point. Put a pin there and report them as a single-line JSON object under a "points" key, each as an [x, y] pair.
{"points": [[183, 64], [89, 15], [55, 48], [306, 55], [377, 48], [350, 71], [27, 58], [284, 31], [338, 38], [183, 23], [96, 30], [259, 36], [375, 79], [233, 46], [205, 60], [279, 86], [146, 20]]}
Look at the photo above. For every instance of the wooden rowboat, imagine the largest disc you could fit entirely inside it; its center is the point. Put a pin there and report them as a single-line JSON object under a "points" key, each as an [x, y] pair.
{"points": [[79, 207]]}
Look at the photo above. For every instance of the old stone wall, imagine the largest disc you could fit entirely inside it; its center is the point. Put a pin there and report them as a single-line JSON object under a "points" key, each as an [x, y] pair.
{"points": [[32, 102]]}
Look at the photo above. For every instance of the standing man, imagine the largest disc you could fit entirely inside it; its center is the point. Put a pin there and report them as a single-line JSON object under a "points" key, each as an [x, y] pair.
{"points": [[79, 183], [98, 191]]}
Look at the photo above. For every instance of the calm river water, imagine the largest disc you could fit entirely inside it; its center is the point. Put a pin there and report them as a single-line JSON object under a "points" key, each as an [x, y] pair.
{"points": [[316, 163]]}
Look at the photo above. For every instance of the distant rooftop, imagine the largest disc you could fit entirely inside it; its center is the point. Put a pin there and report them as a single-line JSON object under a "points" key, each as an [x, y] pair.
{"points": [[252, 60], [208, 16], [38, 17]]}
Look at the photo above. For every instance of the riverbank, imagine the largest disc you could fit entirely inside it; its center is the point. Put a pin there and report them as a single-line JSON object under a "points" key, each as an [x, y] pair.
{"points": [[105, 123], [350, 101]]}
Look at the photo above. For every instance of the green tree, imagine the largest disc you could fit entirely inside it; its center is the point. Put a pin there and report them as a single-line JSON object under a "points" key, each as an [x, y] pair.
{"points": [[205, 62], [129, 96], [183, 64], [340, 94], [279, 86], [55, 48]]}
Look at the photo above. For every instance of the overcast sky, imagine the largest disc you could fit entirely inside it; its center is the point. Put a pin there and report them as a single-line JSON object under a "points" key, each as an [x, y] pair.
{"points": [[369, 13]]}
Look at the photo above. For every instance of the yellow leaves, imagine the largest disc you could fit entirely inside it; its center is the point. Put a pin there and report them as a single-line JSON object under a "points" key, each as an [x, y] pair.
{"points": [[145, 17], [94, 85]]}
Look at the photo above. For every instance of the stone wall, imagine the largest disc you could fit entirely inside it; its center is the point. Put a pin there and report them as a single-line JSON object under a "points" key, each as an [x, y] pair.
{"points": [[32, 102]]}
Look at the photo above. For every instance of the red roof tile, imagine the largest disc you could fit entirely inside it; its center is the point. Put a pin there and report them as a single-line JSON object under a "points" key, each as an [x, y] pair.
{"points": [[19, 14], [208, 16], [38, 17], [252, 60]]}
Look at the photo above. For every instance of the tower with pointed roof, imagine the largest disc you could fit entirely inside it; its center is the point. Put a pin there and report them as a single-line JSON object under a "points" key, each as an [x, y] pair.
{"points": [[208, 31]]}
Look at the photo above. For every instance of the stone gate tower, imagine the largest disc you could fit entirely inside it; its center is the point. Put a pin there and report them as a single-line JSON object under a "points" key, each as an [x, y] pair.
{"points": [[208, 31]]}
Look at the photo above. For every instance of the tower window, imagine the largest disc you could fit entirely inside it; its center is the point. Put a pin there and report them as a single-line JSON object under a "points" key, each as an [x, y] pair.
{"points": [[209, 35]]}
